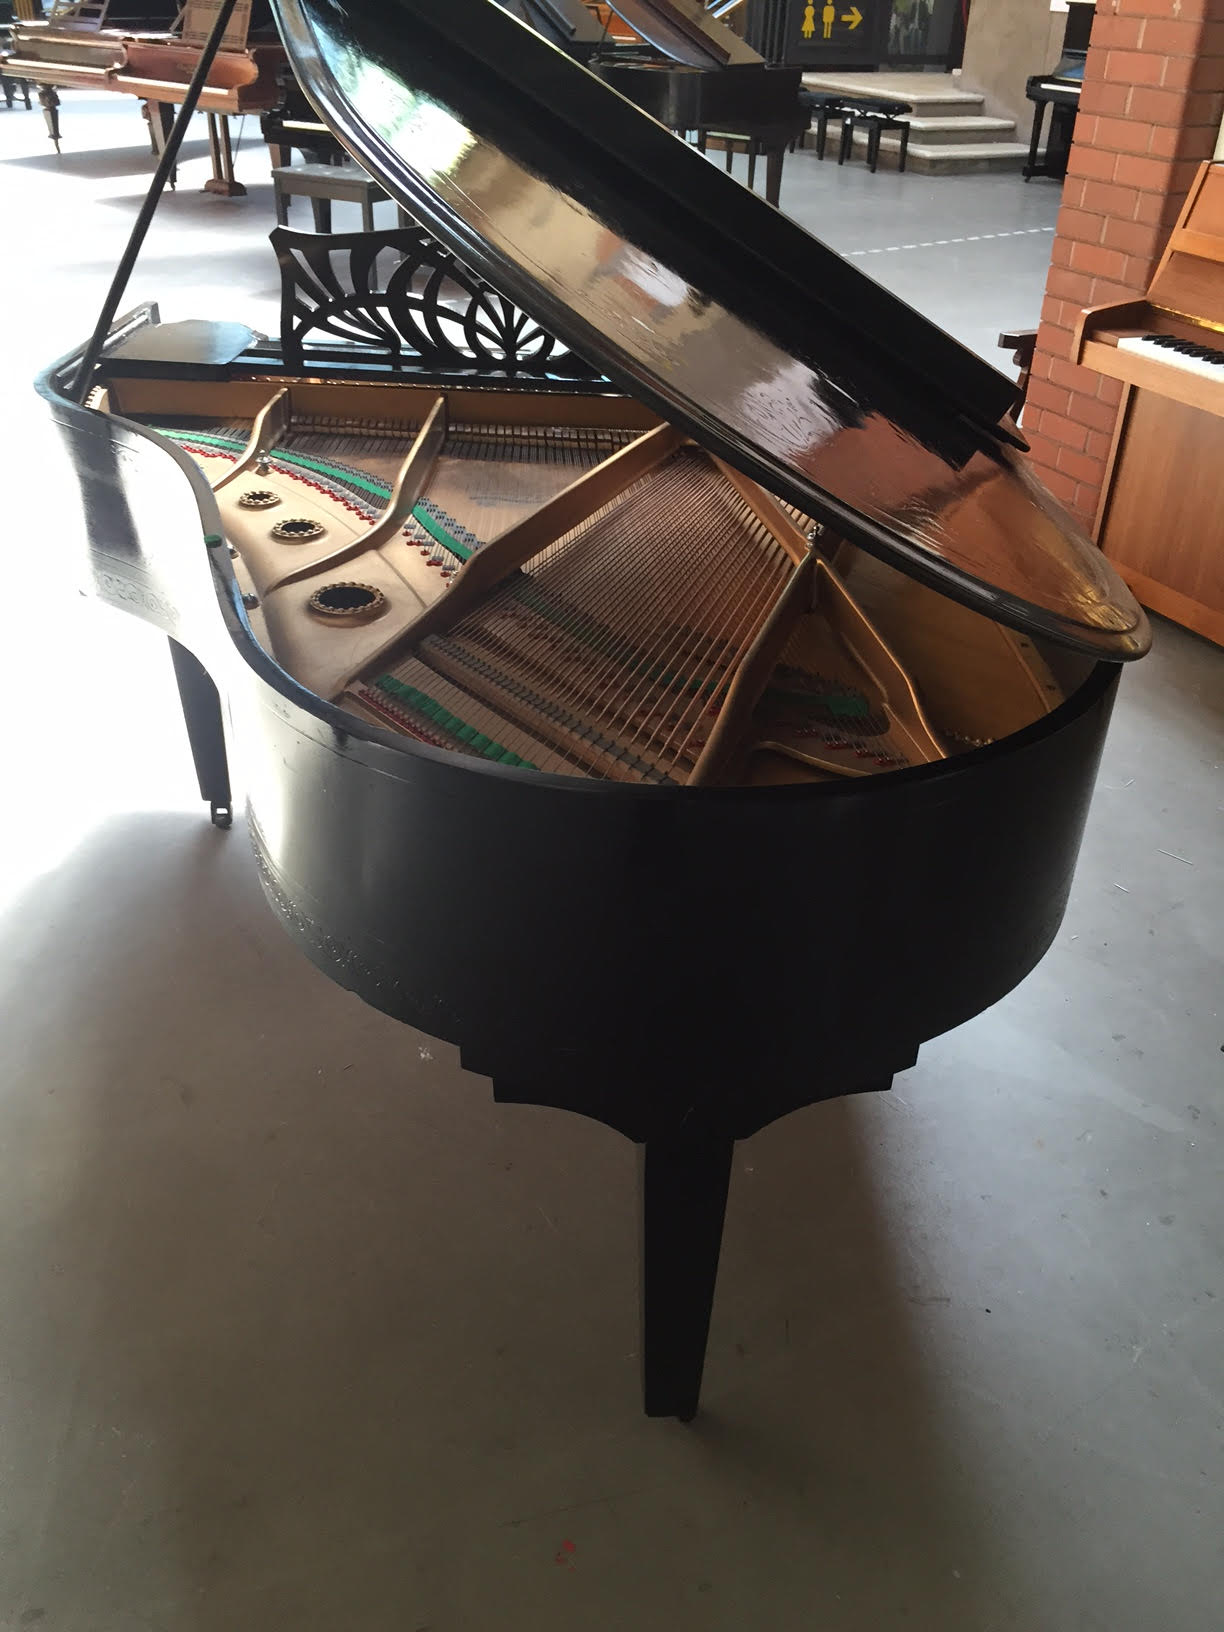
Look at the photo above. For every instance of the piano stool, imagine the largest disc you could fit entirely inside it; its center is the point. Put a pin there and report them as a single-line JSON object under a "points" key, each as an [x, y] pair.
{"points": [[11, 87], [878, 116], [820, 107], [323, 184], [773, 145], [14, 88], [1022, 343]]}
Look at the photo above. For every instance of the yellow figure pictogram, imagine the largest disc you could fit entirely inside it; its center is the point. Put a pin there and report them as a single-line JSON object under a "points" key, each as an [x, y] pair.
{"points": [[827, 16], [809, 21]]}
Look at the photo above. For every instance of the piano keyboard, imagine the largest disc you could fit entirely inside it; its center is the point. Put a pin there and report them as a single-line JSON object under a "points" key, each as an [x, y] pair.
{"points": [[1191, 355]]}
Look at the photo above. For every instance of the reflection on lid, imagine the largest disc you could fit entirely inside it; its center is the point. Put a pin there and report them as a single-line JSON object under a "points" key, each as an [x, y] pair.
{"points": [[706, 304]]}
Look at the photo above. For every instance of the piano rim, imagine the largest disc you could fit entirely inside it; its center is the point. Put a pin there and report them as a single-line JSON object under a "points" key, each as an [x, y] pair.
{"points": [[74, 420]]}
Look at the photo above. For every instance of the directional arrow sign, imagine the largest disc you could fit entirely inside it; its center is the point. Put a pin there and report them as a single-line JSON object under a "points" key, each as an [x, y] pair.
{"points": [[854, 17]]}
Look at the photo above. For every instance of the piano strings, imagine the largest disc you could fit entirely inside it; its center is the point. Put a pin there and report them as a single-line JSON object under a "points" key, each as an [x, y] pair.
{"points": [[613, 648]]}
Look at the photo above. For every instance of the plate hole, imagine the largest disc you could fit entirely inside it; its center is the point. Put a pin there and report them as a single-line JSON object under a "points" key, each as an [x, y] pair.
{"points": [[258, 498], [349, 602], [297, 530]]}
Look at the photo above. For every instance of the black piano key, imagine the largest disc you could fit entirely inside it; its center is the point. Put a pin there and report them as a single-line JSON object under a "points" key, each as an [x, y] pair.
{"points": [[1188, 348]]}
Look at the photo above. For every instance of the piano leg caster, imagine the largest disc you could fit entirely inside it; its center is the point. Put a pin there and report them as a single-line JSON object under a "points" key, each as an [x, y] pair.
{"points": [[683, 1200], [205, 731]]}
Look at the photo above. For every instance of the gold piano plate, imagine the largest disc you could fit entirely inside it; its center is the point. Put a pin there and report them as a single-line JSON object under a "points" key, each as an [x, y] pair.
{"points": [[561, 584]]}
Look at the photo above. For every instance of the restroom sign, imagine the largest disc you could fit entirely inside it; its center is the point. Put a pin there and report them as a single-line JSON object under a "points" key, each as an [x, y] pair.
{"points": [[830, 16], [828, 34]]}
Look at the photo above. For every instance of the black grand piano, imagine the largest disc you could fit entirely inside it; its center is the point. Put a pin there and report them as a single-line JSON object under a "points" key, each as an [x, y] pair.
{"points": [[1059, 91], [293, 125], [692, 73], [683, 66], [688, 736]]}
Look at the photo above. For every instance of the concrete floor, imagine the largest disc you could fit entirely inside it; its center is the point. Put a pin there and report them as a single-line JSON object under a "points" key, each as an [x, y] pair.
{"points": [[299, 1332]]}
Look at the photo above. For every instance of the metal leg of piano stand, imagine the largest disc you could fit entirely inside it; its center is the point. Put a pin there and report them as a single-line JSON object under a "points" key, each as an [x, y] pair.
{"points": [[683, 1200], [222, 180], [48, 96], [205, 731]]}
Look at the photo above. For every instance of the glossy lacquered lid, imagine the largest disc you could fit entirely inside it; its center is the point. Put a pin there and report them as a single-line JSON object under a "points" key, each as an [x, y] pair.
{"points": [[698, 298]]}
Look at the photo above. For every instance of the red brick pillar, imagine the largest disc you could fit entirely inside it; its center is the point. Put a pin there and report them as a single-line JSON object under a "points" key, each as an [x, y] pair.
{"points": [[1149, 114]]}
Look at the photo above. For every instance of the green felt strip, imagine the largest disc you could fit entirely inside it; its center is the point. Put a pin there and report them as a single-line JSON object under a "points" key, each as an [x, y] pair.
{"points": [[376, 489], [457, 728]]}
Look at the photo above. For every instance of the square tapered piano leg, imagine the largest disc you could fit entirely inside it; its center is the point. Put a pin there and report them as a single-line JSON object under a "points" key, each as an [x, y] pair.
{"points": [[683, 1201]]}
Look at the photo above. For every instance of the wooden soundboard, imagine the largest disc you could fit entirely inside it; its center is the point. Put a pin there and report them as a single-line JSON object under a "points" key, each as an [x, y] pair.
{"points": [[565, 585]]}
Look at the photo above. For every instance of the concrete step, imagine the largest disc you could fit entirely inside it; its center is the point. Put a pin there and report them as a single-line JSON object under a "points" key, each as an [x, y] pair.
{"points": [[943, 132], [943, 158], [932, 96]]}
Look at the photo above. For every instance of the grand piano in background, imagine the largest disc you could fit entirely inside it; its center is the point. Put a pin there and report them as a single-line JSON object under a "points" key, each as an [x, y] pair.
{"points": [[148, 49], [294, 126], [674, 58], [691, 72], [688, 730], [1059, 90]]}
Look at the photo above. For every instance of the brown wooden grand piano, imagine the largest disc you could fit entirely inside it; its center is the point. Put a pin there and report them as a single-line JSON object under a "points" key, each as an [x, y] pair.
{"points": [[1160, 518], [148, 49], [685, 698]]}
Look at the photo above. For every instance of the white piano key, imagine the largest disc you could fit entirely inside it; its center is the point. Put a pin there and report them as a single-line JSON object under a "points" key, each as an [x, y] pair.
{"points": [[1147, 344]]}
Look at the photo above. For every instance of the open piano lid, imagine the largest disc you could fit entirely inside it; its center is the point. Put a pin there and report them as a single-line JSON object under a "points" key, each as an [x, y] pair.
{"points": [[684, 31], [706, 304]]}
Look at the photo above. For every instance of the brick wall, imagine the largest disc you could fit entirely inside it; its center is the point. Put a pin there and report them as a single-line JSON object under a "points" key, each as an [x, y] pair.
{"points": [[1150, 112]]}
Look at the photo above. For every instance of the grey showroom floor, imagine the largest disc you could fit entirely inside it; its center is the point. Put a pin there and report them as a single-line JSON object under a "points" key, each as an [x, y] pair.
{"points": [[298, 1331]]}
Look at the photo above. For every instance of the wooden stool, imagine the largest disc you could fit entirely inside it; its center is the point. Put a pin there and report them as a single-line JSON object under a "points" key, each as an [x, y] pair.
{"points": [[324, 184], [14, 88], [11, 88], [772, 141]]}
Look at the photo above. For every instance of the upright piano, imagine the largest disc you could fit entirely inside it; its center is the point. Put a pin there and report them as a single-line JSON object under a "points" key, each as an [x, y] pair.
{"points": [[1059, 90], [1159, 517], [687, 736]]}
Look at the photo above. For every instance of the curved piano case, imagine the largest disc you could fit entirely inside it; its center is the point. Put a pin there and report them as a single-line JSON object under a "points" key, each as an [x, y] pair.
{"points": [[661, 958]]}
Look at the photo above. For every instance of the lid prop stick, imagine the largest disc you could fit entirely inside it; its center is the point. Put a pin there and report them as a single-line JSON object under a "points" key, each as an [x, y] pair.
{"points": [[80, 387]]}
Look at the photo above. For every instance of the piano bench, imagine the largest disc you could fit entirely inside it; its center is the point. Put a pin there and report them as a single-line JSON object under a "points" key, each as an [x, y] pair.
{"points": [[821, 108], [13, 89], [878, 116], [771, 141], [324, 184]]}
